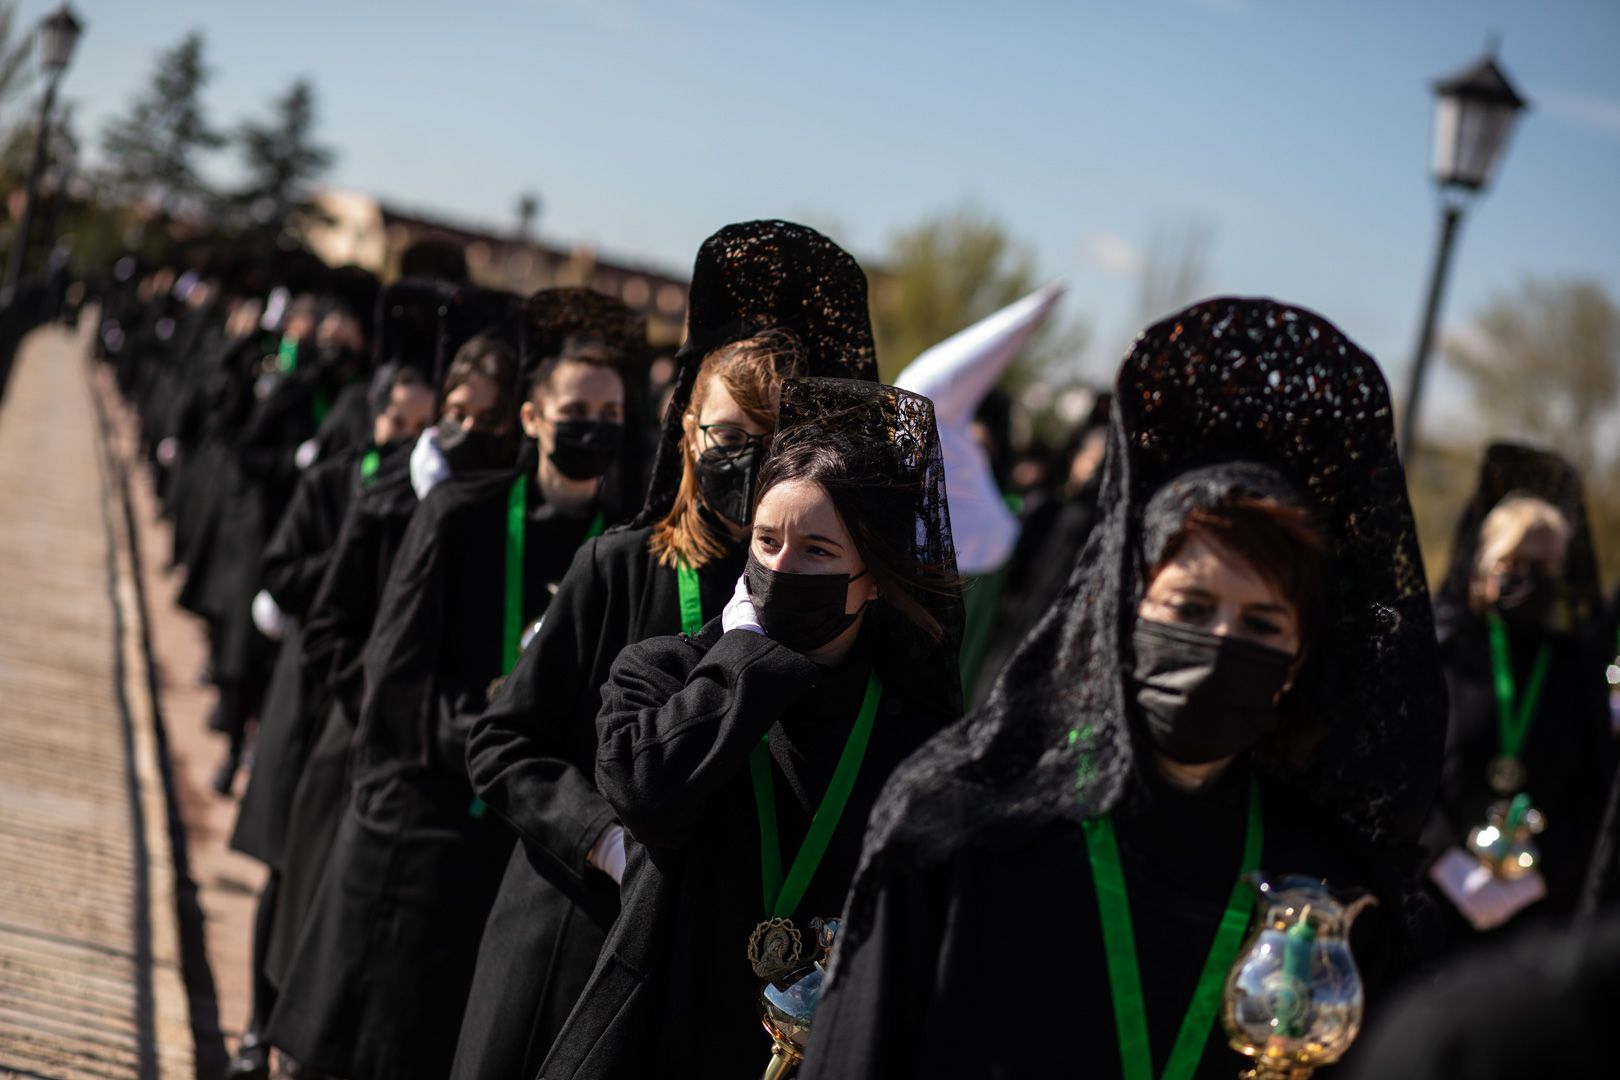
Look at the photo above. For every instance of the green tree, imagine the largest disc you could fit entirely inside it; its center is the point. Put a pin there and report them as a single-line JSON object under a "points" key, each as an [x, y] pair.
{"points": [[282, 160], [13, 61], [154, 150], [1543, 365], [1174, 270], [17, 148], [946, 273]]}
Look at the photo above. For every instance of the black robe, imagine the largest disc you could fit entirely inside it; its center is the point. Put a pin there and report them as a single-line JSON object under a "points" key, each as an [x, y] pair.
{"points": [[333, 641], [532, 759], [1536, 1004], [294, 563], [1567, 755], [379, 981], [990, 964], [673, 993]]}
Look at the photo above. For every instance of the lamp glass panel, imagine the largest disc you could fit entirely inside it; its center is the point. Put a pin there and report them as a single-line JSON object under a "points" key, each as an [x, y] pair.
{"points": [[1445, 139], [1482, 131]]}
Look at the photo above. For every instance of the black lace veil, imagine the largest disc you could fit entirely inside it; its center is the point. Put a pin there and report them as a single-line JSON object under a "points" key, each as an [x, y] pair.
{"points": [[891, 436], [470, 311], [757, 276], [1509, 469], [1231, 381], [407, 335]]}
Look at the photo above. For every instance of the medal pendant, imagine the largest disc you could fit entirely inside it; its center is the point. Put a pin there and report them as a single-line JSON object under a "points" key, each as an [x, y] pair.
{"points": [[775, 948], [1506, 775]]}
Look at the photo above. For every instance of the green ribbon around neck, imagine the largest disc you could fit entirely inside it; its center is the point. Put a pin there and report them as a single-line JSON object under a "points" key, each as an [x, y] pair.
{"points": [[686, 582], [1514, 715], [781, 895], [1125, 976], [287, 355], [517, 525]]}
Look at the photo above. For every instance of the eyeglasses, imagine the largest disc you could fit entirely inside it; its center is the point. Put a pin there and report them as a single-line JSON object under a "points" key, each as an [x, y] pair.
{"points": [[731, 439]]}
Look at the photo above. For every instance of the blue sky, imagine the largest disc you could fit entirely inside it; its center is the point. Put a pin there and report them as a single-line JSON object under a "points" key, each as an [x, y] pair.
{"points": [[1298, 133]]}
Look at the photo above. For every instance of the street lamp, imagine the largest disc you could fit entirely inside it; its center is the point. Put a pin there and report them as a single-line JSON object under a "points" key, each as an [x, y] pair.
{"points": [[58, 34], [1474, 114]]}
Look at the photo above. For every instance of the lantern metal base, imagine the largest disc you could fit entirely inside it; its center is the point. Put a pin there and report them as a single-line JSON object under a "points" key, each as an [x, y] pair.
{"points": [[783, 1062], [1276, 1070]]}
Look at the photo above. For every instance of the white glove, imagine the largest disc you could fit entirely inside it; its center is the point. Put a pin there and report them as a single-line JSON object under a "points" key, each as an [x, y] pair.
{"points": [[607, 854], [1484, 899], [305, 455], [739, 612], [429, 468], [267, 616]]}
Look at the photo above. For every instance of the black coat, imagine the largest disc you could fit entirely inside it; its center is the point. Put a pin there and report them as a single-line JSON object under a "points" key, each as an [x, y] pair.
{"points": [[294, 563], [380, 978], [673, 994], [990, 964], [1567, 755], [532, 759], [333, 642]]}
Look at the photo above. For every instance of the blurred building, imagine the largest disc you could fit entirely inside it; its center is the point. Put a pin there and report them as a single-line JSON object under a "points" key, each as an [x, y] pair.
{"points": [[362, 230]]}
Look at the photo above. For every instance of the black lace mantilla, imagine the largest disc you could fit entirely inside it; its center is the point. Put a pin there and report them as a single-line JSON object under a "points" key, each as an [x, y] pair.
{"points": [[1227, 381], [558, 322], [1510, 469], [470, 311], [757, 276], [891, 436], [408, 325]]}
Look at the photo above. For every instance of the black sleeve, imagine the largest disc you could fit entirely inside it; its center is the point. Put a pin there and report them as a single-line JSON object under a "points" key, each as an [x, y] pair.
{"points": [[295, 559], [345, 605], [403, 681], [676, 725], [517, 750]]}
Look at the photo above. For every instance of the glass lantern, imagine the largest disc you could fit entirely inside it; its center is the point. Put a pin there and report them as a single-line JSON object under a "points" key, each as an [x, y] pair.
{"points": [[1293, 999], [788, 1004]]}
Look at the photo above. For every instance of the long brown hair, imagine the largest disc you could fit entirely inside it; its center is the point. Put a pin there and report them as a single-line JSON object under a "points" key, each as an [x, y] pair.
{"points": [[752, 371]]}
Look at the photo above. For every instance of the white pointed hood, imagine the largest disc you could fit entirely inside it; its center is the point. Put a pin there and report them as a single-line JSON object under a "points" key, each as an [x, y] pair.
{"points": [[956, 375]]}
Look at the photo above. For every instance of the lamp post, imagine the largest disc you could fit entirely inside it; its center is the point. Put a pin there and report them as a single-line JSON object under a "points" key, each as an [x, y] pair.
{"points": [[1474, 113], [58, 34]]}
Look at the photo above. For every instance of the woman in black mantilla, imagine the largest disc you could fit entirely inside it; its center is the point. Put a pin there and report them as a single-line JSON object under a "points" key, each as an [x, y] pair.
{"points": [[768, 299], [1529, 705], [1244, 647], [835, 659]]}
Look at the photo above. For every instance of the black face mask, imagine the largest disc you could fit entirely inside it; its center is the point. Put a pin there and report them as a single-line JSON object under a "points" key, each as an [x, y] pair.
{"points": [[726, 480], [585, 449], [471, 451], [802, 611], [1204, 697], [1526, 600]]}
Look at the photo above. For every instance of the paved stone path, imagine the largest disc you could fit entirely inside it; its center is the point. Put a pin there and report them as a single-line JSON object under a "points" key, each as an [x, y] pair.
{"points": [[89, 971], [122, 952]]}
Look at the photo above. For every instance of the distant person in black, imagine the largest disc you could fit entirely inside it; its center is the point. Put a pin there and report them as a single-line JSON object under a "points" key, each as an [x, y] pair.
{"points": [[295, 561], [1529, 704], [330, 1013]]}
